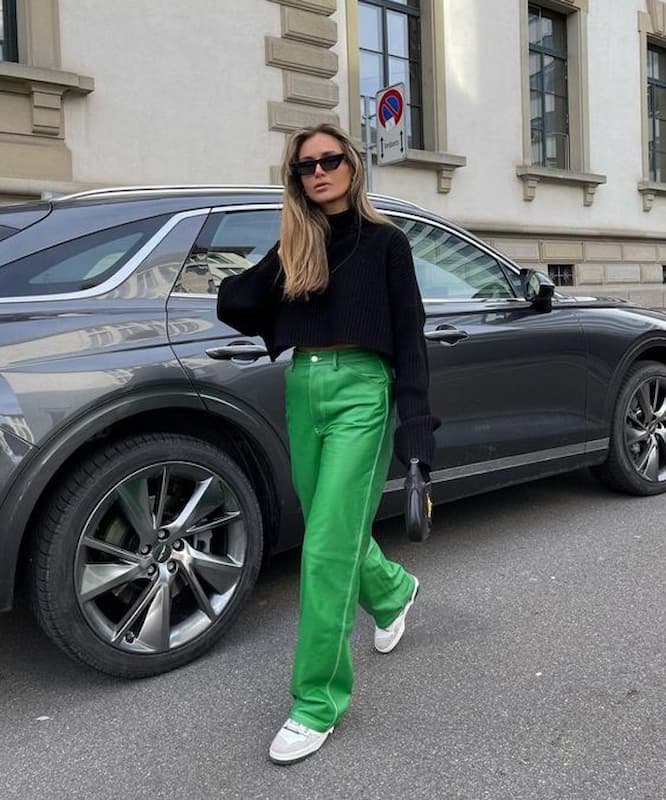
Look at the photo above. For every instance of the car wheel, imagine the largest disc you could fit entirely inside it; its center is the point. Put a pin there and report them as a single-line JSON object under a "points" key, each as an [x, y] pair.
{"points": [[637, 455], [146, 553]]}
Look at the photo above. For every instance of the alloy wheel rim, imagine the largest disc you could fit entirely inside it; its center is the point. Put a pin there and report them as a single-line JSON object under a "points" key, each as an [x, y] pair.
{"points": [[645, 430], [160, 557]]}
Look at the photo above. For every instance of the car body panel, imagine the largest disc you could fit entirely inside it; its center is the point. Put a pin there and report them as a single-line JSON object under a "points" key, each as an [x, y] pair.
{"points": [[516, 384]]}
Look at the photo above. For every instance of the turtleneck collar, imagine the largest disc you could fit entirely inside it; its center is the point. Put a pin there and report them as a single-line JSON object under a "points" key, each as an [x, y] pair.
{"points": [[343, 221]]}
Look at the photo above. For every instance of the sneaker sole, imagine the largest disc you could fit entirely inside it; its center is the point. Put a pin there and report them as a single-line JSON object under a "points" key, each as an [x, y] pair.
{"points": [[392, 647], [300, 755]]}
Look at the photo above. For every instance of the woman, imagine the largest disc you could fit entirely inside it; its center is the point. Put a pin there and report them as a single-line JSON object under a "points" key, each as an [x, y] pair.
{"points": [[340, 287]]}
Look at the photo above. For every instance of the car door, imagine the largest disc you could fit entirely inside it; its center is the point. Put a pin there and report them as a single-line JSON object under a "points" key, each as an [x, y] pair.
{"points": [[508, 381], [216, 357]]}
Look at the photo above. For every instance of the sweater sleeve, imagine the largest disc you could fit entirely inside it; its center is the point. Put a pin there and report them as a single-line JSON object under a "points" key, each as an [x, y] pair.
{"points": [[249, 301], [414, 436]]}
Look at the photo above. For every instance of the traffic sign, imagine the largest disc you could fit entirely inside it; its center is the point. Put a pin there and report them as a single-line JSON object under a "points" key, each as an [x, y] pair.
{"points": [[391, 137]]}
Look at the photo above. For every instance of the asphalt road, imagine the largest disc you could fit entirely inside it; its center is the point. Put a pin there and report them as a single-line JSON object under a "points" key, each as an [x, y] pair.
{"points": [[533, 667]]}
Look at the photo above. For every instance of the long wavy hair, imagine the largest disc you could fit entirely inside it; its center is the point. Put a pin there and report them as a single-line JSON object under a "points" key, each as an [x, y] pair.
{"points": [[305, 231]]}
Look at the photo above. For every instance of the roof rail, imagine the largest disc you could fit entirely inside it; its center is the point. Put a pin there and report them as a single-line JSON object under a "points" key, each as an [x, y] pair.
{"points": [[171, 189], [202, 188], [400, 200]]}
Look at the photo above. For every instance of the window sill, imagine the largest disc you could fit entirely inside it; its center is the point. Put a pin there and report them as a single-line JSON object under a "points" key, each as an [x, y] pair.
{"points": [[650, 190], [444, 164], [66, 81], [532, 175], [45, 89]]}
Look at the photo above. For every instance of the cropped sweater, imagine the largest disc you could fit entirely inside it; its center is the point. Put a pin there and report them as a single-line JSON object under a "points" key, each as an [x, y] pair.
{"points": [[372, 301]]}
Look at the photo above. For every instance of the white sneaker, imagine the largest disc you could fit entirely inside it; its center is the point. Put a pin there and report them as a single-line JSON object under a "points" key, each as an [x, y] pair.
{"points": [[295, 742], [387, 638]]}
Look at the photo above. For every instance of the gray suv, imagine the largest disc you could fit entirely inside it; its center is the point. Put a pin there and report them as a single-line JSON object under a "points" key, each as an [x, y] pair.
{"points": [[144, 464]]}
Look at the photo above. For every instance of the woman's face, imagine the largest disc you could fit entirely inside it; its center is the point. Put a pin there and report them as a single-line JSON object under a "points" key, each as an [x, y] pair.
{"points": [[330, 190]]}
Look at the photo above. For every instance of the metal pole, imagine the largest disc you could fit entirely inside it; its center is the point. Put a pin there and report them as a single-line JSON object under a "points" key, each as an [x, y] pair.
{"points": [[368, 143]]}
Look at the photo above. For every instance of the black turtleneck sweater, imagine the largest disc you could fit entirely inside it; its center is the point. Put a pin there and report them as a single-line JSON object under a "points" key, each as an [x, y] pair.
{"points": [[372, 301]]}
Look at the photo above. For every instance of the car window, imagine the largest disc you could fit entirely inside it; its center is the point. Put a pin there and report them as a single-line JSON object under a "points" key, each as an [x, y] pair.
{"points": [[451, 268], [78, 264], [229, 243], [17, 217]]}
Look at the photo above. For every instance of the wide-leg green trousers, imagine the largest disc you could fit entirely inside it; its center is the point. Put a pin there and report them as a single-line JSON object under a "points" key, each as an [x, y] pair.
{"points": [[339, 415]]}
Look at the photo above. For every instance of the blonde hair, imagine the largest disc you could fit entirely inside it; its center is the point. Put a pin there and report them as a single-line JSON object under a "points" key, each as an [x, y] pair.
{"points": [[305, 229]]}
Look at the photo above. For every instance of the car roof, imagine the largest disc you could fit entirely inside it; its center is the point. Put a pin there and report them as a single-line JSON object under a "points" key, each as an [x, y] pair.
{"points": [[225, 191]]}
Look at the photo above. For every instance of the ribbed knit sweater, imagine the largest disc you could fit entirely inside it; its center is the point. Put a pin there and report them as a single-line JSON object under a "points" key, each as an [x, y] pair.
{"points": [[372, 301]]}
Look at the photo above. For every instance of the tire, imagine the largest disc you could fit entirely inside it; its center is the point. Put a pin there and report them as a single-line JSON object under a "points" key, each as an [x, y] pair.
{"points": [[145, 554], [636, 461]]}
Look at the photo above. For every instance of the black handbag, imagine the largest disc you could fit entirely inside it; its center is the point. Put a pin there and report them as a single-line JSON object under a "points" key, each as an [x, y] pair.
{"points": [[418, 504]]}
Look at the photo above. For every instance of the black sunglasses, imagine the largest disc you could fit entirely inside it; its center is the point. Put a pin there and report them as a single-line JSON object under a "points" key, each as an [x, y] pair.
{"points": [[308, 167]]}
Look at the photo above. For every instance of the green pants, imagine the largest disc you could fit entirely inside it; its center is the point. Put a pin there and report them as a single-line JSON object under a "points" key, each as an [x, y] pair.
{"points": [[339, 415]]}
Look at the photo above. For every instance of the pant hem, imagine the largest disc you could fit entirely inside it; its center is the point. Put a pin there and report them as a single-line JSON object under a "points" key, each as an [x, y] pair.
{"points": [[310, 722]]}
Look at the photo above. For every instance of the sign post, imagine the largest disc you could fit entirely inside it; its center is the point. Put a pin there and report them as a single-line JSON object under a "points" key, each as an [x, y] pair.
{"points": [[368, 144], [391, 137]]}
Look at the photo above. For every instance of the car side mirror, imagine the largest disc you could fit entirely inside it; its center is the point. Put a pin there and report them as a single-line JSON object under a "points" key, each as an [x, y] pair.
{"points": [[538, 289]]}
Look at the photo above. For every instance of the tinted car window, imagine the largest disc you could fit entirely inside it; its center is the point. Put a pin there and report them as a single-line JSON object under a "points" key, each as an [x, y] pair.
{"points": [[78, 264], [229, 243], [450, 268], [16, 218]]}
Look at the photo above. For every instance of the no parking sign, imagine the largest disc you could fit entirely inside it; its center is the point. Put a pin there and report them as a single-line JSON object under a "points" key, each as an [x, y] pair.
{"points": [[391, 139]]}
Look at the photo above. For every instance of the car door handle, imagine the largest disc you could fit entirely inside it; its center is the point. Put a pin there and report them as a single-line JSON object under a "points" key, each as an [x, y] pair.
{"points": [[243, 351], [446, 335]]}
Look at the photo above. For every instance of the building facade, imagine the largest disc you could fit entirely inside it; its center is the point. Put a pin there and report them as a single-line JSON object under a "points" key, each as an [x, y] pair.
{"points": [[535, 124]]}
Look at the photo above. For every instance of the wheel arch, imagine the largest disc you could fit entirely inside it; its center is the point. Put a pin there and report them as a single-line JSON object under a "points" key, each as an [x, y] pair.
{"points": [[652, 349], [256, 448]]}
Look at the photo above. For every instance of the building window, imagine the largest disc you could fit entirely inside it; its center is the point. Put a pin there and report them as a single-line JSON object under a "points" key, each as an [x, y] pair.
{"points": [[8, 48], [663, 273], [561, 274], [390, 53], [549, 101], [657, 112]]}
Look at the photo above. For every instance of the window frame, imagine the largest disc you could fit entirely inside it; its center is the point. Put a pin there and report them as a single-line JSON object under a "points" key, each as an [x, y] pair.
{"points": [[578, 175], [556, 274], [433, 86], [576, 13], [435, 155], [652, 32], [653, 83], [10, 31], [385, 6], [563, 57]]}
